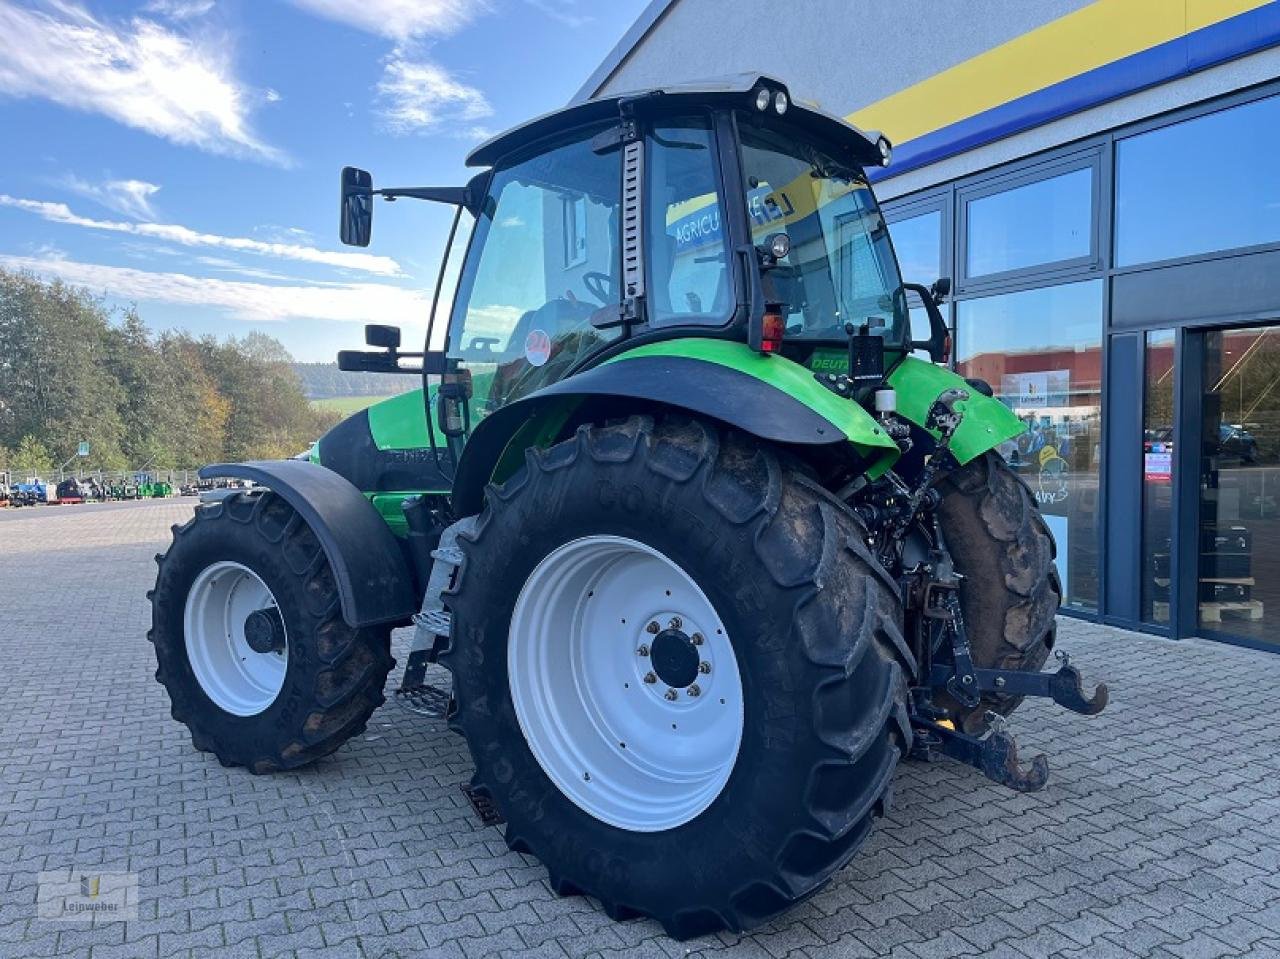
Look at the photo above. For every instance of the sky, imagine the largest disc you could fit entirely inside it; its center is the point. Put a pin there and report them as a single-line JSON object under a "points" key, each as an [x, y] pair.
{"points": [[183, 155]]}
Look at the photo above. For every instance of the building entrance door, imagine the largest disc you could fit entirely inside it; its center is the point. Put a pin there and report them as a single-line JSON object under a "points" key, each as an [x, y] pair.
{"points": [[1238, 569]]}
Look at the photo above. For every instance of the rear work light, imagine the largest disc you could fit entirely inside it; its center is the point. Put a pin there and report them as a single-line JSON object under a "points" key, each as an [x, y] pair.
{"points": [[772, 329]]}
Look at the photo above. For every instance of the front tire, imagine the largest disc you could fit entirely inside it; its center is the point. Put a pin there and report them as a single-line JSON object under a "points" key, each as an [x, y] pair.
{"points": [[250, 642], [743, 798]]}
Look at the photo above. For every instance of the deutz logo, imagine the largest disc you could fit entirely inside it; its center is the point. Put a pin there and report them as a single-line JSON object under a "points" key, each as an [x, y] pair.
{"points": [[824, 361]]}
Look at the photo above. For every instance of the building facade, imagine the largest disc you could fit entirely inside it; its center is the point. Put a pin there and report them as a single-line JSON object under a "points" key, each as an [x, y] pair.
{"points": [[1101, 181]]}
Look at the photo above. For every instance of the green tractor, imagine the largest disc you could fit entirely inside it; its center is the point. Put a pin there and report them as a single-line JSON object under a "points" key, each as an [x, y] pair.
{"points": [[705, 544]]}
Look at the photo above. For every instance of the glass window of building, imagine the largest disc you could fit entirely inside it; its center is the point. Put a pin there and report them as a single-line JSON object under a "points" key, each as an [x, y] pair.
{"points": [[1157, 477], [1041, 351], [1201, 185], [917, 241], [1045, 222], [1239, 562]]}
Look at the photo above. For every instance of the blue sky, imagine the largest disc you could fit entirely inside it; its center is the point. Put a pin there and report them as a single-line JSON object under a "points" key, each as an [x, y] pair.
{"points": [[184, 154]]}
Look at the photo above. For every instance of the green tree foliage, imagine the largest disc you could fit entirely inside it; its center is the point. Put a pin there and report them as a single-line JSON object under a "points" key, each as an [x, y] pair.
{"points": [[71, 370], [31, 458]]}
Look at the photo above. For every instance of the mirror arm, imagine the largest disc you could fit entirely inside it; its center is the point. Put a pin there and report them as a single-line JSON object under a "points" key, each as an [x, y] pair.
{"points": [[938, 344], [452, 195]]}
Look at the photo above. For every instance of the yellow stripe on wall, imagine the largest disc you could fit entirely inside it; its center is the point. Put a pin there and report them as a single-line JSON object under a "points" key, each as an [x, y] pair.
{"points": [[1091, 37]]}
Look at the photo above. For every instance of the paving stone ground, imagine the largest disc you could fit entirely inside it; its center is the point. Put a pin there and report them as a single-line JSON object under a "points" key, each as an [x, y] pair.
{"points": [[1158, 834]]}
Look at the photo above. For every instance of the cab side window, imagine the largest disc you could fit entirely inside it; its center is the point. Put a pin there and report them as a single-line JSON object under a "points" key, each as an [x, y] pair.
{"points": [[685, 245], [544, 261]]}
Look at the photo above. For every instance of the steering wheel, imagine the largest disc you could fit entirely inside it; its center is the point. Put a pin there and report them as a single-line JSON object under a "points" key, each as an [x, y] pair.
{"points": [[599, 285]]}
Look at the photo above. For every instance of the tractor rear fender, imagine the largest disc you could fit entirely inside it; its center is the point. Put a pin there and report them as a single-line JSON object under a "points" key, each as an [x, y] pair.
{"points": [[375, 584], [987, 422], [767, 396]]}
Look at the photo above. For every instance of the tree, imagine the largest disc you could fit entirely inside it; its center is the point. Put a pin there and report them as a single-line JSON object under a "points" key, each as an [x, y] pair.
{"points": [[32, 458], [71, 370], [56, 383]]}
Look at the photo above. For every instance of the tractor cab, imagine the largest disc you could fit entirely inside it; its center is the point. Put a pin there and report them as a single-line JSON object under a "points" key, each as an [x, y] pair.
{"points": [[725, 212]]}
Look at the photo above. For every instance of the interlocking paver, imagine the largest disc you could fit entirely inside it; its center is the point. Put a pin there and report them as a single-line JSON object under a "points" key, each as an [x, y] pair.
{"points": [[1157, 835]]}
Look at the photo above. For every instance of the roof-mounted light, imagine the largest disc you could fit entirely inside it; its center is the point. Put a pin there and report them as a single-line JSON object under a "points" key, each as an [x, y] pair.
{"points": [[763, 96], [886, 150], [780, 103]]}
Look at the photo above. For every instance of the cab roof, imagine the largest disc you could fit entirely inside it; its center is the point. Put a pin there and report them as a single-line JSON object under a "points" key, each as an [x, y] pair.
{"points": [[738, 90]]}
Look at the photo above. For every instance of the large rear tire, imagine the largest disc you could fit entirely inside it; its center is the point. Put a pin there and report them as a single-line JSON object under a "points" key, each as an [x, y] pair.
{"points": [[250, 642], [1011, 590], [606, 580]]}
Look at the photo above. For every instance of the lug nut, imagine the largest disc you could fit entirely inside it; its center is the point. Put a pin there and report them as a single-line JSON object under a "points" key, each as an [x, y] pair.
{"points": [[643, 650], [650, 678], [694, 690], [704, 667], [697, 639], [676, 623], [653, 627], [671, 695]]}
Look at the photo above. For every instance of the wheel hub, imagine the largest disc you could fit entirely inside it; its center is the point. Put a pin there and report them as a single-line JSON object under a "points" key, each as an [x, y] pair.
{"points": [[235, 638], [675, 658], [264, 630]]}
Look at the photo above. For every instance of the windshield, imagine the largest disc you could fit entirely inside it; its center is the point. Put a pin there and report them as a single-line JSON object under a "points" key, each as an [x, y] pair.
{"points": [[841, 266]]}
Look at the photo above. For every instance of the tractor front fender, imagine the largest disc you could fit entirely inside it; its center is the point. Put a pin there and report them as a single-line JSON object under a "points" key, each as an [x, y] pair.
{"points": [[375, 584], [987, 422], [766, 396]]}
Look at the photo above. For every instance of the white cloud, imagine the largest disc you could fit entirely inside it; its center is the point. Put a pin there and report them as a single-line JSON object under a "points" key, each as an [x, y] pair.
{"points": [[256, 302], [130, 197], [185, 236], [563, 11], [398, 19], [223, 265], [138, 73], [179, 9], [416, 96]]}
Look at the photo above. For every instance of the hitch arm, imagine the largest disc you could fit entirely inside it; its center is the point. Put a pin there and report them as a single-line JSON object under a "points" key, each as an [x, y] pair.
{"points": [[995, 756], [1065, 687]]}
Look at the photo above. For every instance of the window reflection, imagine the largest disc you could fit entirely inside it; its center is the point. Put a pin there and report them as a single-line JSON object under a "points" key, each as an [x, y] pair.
{"points": [[918, 243], [1042, 222], [687, 260], [1169, 205], [1041, 351], [1157, 477], [1239, 588]]}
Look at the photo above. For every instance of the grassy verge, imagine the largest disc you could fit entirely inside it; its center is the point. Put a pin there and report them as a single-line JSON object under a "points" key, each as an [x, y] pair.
{"points": [[346, 405]]}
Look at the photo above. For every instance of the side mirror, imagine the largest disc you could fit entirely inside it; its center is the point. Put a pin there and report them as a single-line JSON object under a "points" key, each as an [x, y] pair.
{"points": [[355, 220], [938, 345], [383, 337]]}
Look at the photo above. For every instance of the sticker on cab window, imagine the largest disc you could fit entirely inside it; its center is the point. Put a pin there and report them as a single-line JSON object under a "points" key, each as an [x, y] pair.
{"points": [[537, 347]]}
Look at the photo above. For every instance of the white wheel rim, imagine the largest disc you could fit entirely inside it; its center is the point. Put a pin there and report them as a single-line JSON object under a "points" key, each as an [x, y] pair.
{"points": [[237, 678], [620, 747]]}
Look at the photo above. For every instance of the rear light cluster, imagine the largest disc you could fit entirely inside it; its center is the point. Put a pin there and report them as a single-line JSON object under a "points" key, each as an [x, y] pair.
{"points": [[772, 330]]}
